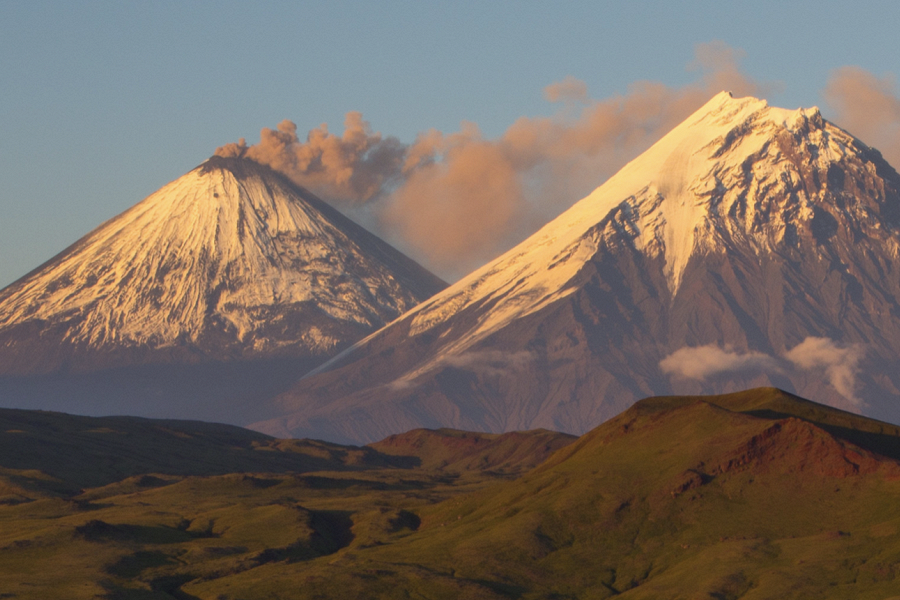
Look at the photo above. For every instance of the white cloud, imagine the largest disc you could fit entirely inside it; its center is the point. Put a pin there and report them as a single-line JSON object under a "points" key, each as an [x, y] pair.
{"points": [[841, 364], [490, 361], [701, 362]]}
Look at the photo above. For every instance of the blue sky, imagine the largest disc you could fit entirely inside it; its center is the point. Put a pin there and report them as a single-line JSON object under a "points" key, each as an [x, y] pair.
{"points": [[102, 103]]}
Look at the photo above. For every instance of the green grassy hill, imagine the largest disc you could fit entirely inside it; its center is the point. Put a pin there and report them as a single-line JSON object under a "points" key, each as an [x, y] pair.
{"points": [[752, 495]]}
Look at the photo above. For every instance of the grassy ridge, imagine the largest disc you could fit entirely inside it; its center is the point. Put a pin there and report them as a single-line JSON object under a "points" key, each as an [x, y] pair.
{"points": [[752, 495]]}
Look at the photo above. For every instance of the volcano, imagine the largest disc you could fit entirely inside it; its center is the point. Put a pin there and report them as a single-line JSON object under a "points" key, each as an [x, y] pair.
{"points": [[230, 267], [750, 246]]}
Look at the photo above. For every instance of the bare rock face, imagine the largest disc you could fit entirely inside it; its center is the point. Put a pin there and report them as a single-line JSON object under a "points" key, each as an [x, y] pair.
{"points": [[231, 267], [750, 246]]}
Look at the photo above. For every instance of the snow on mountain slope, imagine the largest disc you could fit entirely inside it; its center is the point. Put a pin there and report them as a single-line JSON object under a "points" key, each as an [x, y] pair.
{"points": [[747, 227], [229, 261]]}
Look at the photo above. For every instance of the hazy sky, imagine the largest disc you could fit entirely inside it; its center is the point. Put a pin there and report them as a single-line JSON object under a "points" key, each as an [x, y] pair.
{"points": [[102, 103]]}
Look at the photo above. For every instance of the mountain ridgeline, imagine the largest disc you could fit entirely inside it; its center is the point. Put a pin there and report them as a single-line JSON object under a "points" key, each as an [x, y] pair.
{"points": [[749, 246]]}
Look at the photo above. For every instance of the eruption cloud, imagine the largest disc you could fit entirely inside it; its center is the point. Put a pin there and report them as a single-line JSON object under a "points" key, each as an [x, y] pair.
{"points": [[456, 200], [350, 169], [465, 199], [570, 89]]}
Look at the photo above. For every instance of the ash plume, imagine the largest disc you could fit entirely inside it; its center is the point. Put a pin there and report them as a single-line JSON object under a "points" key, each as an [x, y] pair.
{"points": [[465, 198], [455, 200], [867, 107], [349, 169], [570, 89]]}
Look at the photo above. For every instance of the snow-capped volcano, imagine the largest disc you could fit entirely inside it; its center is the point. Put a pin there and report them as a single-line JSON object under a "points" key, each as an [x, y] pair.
{"points": [[727, 175], [760, 240], [230, 261]]}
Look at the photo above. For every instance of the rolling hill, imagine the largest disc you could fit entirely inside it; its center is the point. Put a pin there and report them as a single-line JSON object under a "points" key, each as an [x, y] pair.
{"points": [[754, 495]]}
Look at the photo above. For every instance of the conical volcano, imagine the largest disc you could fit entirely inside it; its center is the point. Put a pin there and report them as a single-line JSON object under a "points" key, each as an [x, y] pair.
{"points": [[230, 261], [750, 246], [230, 268]]}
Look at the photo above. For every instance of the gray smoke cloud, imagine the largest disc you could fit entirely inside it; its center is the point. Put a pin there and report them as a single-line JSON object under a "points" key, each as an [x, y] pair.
{"points": [[349, 169], [570, 89]]}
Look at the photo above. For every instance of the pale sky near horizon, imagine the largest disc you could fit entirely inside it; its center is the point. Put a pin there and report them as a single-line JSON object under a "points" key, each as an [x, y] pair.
{"points": [[102, 103]]}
